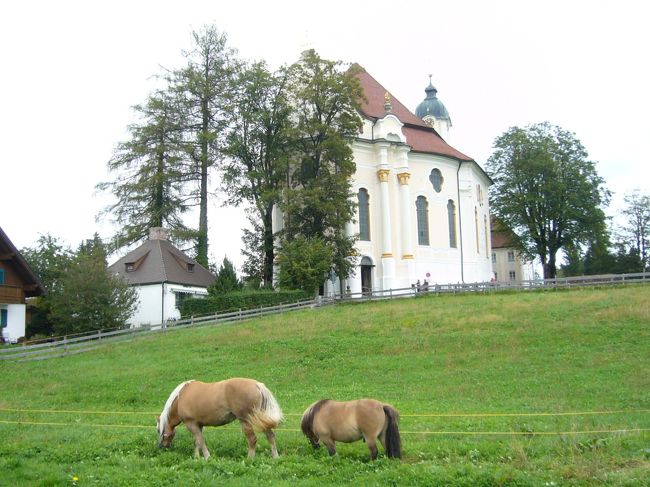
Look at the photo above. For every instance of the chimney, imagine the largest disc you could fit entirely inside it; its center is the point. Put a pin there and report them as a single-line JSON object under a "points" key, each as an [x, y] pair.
{"points": [[158, 233]]}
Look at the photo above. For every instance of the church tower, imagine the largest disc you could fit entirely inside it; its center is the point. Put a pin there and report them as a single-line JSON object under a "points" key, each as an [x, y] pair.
{"points": [[433, 112]]}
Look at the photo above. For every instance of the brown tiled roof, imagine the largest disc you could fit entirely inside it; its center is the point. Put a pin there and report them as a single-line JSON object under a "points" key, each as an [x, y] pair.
{"points": [[420, 136], [157, 261], [31, 283], [502, 237]]}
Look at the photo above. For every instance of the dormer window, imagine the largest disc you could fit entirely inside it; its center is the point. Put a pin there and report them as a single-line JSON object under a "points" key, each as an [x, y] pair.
{"points": [[190, 267], [129, 266]]}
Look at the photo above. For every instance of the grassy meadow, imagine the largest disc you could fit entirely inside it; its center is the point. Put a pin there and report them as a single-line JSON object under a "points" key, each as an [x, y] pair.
{"points": [[470, 375]]}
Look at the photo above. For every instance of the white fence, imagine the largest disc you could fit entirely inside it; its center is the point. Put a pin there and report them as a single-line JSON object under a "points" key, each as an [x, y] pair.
{"points": [[73, 344]]}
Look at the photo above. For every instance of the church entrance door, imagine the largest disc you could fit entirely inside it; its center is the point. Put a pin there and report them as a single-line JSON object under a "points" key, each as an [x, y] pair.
{"points": [[366, 275]]}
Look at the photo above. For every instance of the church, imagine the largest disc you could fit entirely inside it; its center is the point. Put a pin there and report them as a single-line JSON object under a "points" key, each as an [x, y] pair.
{"points": [[423, 211]]}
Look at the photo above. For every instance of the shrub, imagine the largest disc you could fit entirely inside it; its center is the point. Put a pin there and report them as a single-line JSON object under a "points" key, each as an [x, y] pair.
{"points": [[225, 303]]}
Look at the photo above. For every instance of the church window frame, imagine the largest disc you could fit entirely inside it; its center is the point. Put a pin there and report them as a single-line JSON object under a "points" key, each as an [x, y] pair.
{"points": [[451, 221], [363, 199], [422, 218], [436, 179]]}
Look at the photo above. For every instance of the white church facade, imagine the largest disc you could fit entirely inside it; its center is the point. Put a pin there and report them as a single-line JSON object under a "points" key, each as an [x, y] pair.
{"points": [[423, 211]]}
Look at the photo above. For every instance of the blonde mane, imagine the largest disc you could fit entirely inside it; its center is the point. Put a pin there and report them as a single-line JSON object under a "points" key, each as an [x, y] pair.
{"points": [[164, 416]]}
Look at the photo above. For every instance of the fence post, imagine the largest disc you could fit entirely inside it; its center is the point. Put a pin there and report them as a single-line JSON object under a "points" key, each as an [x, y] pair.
{"points": [[99, 335], [65, 344]]}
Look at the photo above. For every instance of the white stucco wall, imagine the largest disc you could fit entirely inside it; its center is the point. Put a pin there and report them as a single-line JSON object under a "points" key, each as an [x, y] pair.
{"points": [[157, 302], [15, 322], [466, 187]]}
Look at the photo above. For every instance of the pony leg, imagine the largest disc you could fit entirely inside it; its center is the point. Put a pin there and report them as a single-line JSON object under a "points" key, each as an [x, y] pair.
{"points": [[199, 441], [330, 444], [251, 438], [270, 435], [372, 446]]}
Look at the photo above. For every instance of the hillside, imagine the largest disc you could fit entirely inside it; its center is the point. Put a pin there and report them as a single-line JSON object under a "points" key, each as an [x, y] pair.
{"points": [[481, 367]]}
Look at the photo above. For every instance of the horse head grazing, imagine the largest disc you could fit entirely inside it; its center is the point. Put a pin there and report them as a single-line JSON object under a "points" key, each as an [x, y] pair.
{"points": [[307, 422], [166, 431]]}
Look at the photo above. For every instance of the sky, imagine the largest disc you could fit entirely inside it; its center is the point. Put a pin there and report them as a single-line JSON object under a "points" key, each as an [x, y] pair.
{"points": [[70, 71]]}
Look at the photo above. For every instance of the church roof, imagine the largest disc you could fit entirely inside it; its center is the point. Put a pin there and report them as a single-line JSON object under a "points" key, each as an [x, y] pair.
{"points": [[157, 261], [420, 136]]}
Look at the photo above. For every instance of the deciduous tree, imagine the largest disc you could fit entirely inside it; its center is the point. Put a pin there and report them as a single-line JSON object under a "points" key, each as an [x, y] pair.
{"points": [[547, 190], [318, 201]]}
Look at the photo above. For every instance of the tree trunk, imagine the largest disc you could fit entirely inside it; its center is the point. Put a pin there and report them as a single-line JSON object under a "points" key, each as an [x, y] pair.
{"points": [[268, 247]]}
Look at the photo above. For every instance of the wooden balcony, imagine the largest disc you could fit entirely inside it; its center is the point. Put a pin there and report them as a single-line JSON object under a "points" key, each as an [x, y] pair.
{"points": [[12, 294]]}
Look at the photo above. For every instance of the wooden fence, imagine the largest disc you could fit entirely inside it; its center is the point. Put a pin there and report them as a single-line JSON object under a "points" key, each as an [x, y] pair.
{"points": [[73, 344]]}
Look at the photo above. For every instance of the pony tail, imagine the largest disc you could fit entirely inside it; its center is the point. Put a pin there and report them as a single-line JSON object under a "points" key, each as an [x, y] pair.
{"points": [[393, 439], [268, 414]]}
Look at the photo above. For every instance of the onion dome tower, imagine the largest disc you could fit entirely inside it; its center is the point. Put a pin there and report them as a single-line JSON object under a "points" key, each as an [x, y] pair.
{"points": [[433, 111]]}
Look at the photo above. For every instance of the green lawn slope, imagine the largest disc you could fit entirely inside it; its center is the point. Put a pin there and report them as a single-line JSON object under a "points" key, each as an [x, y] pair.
{"points": [[494, 389]]}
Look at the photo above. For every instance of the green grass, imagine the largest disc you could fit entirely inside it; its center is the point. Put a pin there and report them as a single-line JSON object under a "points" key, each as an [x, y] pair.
{"points": [[544, 352]]}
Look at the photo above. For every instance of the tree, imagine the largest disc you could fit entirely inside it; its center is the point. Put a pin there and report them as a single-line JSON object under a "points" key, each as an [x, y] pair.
{"points": [[635, 233], [150, 174], [318, 201], [50, 259], [258, 147], [304, 263], [546, 190], [202, 89], [90, 297], [227, 280]]}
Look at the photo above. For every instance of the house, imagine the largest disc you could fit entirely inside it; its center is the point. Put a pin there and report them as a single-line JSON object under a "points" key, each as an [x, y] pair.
{"points": [[163, 277], [508, 263], [17, 282], [423, 211]]}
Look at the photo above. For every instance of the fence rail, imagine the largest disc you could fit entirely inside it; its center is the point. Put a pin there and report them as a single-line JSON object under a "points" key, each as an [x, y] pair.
{"points": [[73, 344]]}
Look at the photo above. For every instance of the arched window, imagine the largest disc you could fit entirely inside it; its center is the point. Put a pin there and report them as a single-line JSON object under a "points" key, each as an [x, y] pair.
{"points": [[364, 215], [436, 179], [451, 217], [422, 208]]}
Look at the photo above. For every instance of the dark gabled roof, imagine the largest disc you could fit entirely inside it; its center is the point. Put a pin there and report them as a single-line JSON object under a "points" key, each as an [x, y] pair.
{"points": [[31, 283], [157, 261], [420, 136]]}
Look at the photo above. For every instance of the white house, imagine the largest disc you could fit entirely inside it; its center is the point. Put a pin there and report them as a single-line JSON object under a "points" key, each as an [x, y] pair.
{"points": [[163, 277], [423, 211], [17, 282], [508, 263]]}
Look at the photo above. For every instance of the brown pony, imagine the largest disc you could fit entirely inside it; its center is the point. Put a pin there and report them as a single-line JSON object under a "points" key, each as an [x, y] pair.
{"points": [[330, 421], [199, 404]]}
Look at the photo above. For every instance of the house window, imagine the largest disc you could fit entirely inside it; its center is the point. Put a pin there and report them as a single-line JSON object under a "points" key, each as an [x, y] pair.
{"points": [[3, 318], [451, 218], [512, 275], [422, 208], [2, 276], [494, 257], [511, 255], [436, 180], [364, 215], [190, 267]]}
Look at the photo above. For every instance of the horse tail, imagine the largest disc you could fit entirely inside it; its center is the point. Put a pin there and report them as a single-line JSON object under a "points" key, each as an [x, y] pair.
{"points": [[307, 422], [268, 414], [393, 439]]}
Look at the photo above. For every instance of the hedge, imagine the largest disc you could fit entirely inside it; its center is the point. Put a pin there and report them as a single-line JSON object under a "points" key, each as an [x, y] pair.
{"points": [[235, 301]]}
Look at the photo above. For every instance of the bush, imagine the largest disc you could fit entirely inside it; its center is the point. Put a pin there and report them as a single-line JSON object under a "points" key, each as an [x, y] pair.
{"points": [[225, 303]]}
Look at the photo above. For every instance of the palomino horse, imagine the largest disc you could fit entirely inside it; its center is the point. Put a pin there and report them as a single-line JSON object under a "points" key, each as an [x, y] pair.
{"points": [[331, 421], [199, 404]]}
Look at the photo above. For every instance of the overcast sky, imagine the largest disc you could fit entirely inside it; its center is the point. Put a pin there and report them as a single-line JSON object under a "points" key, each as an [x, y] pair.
{"points": [[71, 71]]}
